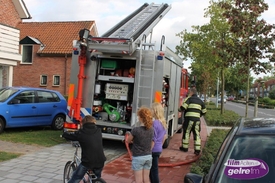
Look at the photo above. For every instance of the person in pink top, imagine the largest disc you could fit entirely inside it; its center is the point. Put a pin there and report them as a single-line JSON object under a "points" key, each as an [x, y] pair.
{"points": [[160, 126]]}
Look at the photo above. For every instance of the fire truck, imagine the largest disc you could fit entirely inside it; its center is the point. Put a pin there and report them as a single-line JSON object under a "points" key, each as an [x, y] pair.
{"points": [[112, 76]]}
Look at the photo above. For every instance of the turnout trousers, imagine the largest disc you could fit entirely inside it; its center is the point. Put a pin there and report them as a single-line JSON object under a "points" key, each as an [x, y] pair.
{"points": [[194, 127]]}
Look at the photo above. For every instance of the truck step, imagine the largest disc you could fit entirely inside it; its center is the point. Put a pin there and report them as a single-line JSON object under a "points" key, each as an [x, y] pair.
{"points": [[146, 65], [146, 76], [146, 69], [145, 87], [143, 97]]}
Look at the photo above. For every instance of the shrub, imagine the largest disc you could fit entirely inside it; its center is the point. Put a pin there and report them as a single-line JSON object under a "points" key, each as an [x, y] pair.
{"points": [[211, 103], [272, 103], [266, 100], [214, 118], [213, 107], [272, 94], [209, 152]]}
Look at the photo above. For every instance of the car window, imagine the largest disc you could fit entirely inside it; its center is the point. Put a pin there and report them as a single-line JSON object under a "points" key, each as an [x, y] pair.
{"points": [[56, 97], [249, 159], [6, 93], [47, 96], [25, 97]]}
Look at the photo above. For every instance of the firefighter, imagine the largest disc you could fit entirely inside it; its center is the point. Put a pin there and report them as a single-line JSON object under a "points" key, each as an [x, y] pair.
{"points": [[193, 108]]}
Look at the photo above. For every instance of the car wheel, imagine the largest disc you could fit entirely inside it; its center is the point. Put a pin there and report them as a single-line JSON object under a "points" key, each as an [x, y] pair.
{"points": [[2, 125], [58, 122]]}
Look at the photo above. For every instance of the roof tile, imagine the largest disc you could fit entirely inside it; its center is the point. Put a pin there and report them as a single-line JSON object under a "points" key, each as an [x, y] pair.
{"points": [[56, 36]]}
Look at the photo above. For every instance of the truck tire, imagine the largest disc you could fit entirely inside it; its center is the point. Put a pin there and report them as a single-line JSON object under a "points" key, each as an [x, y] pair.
{"points": [[180, 121], [180, 130], [166, 143], [2, 125]]}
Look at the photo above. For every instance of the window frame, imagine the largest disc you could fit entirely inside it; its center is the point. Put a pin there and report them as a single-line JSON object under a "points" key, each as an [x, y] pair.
{"points": [[23, 53], [41, 81], [54, 79]]}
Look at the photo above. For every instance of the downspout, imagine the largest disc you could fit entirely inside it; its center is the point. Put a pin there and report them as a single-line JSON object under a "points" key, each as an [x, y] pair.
{"points": [[65, 76]]}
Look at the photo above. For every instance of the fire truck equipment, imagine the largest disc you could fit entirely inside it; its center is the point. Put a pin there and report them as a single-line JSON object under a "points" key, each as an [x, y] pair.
{"points": [[114, 115]]}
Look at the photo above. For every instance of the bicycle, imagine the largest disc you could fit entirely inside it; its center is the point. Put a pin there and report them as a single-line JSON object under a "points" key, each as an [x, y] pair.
{"points": [[71, 166]]}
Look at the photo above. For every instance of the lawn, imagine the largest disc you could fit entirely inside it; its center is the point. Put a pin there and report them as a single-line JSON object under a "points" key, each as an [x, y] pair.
{"points": [[7, 156], [42, 136]]}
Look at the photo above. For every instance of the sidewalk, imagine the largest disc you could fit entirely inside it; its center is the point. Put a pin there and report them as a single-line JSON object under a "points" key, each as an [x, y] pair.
{"points": [[173, 164]]}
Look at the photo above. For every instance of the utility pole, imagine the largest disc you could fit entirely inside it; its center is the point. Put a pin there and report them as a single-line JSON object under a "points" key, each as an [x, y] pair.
{"points": [[248, 73], [217, 96]]}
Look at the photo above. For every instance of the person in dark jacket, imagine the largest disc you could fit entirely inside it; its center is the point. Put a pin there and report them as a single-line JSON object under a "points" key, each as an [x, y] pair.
{"points": [[193, 108], [92, 154]]}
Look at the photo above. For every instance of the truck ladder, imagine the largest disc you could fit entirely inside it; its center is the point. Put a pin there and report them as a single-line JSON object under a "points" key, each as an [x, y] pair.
{"points": [[145, 78], [127, 35]]}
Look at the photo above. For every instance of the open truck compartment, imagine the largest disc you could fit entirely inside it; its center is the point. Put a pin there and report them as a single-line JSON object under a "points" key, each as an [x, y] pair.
{"points": [[114, 91]]}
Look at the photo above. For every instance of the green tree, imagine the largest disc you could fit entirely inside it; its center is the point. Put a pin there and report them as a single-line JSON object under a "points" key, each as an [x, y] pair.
{"points": [[253, 37], [196, 45], [234, 80], [205, 47]]}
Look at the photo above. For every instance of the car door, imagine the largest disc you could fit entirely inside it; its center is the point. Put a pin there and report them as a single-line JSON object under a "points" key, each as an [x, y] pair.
{"points": [[22, 112], [47, 107]]}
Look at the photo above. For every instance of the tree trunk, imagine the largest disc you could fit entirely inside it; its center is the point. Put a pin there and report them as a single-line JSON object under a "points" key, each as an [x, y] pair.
{"points": [[248, 76]]}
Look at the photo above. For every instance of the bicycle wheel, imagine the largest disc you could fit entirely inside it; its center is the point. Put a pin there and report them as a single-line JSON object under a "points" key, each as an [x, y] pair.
{"points": [[98, 180], [68, 171]]}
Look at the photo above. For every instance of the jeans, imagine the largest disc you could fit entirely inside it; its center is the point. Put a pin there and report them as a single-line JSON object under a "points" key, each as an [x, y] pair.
{"points": [[80, 172], [154, 172]]}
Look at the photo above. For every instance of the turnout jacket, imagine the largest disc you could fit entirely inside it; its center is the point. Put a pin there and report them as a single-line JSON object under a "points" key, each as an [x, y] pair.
{"points": [[90, 140], [193, 108]]}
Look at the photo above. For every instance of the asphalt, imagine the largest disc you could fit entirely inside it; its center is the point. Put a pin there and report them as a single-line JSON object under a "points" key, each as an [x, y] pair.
{"points": [[45, 165]]}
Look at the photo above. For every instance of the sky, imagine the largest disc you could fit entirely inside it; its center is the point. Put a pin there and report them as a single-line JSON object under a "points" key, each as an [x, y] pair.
{"points": [[107, 13]]}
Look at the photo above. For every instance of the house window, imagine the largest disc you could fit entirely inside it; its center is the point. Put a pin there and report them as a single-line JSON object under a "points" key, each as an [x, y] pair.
{"points": [[43, 80], [56, 80], [26, 54]]}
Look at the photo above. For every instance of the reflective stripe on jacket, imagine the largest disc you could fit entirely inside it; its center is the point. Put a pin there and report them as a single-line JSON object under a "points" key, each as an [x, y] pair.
{"points": [[194, 107]]}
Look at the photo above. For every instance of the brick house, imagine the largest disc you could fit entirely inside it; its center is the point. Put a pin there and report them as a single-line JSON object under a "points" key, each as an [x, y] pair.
{"points": [[12, 12], [262, 89], [46, 49]]}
